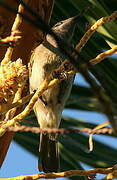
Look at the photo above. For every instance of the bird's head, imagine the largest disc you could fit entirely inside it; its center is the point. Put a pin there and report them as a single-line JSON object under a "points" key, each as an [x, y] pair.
{"points": [[65, 29]]}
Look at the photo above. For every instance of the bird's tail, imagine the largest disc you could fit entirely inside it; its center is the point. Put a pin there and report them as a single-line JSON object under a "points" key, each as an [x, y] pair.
{"points": [[49, 156]]}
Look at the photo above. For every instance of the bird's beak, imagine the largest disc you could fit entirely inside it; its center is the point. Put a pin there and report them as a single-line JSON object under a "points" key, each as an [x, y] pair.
{"points": [[73, 19]]}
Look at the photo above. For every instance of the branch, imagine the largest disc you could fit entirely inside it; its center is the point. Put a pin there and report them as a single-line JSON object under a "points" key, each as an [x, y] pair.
{"points": [[44, 86], [28, 108], [112, 175], [63, 174]]}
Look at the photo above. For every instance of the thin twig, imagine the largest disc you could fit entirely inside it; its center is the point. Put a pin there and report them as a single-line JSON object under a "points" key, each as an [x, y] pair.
{"points": [[9, 39], [10, 114], [24, 100], [93, 28], [15, 27], [37, 130], [103, 55], [98, 127]]}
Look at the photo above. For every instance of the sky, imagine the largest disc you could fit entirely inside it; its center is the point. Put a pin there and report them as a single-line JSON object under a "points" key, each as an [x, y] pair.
{"points": [[20, 162]]}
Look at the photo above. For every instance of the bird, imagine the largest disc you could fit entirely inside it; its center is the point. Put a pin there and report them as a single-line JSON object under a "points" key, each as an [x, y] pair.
{"points": [[48, 109]]}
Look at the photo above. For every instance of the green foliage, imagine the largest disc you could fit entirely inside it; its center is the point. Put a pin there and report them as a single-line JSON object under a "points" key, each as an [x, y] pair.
{"points": [[74, 146]]}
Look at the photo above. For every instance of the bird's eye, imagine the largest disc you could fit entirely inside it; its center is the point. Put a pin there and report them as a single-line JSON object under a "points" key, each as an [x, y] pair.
{"points": [[58, 24]]}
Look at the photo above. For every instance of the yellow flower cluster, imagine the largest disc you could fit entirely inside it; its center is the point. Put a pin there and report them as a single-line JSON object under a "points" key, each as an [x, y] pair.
{"points": [[12, 75]]}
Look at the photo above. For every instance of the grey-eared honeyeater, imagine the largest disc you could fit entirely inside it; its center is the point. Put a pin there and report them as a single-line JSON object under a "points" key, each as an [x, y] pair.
{"points": [[48, 109]]}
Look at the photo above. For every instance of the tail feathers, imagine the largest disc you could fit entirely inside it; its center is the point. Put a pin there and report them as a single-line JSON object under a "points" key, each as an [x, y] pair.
{"points": [[49, 157]]}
